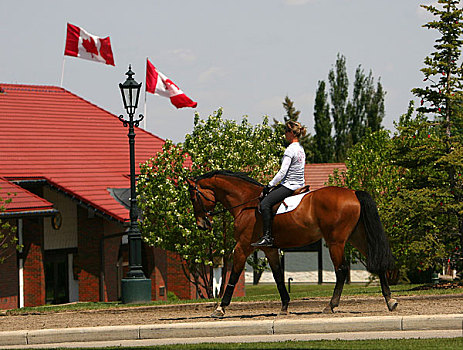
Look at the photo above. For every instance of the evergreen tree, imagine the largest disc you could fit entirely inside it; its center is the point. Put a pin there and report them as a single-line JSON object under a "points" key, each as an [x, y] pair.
{"points": [[323, 143], [429, 147], [291, 112], [339, 89], [442, 96]]}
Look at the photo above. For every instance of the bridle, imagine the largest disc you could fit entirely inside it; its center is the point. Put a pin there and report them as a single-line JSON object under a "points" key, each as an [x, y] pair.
{"points": [[199, 194]]}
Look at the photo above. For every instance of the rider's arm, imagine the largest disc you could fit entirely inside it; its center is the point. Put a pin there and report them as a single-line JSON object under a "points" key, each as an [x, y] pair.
{"points": [[282, 172]]}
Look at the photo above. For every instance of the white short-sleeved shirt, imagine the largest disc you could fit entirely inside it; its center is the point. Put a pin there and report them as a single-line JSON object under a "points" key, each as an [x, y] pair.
{"points": [[291, 173]]}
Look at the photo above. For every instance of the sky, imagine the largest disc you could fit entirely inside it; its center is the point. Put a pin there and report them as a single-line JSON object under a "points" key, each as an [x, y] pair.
{"points": [[242, 55]]}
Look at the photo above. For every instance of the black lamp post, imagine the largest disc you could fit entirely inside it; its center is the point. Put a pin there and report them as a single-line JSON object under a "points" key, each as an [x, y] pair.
{"points": [[136, 287]]}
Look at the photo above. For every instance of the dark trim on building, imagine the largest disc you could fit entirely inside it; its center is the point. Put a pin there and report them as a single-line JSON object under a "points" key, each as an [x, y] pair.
{"points": [[29, 213]]}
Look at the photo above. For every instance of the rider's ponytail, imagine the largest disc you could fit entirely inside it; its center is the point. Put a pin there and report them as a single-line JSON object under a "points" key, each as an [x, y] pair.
{"points": [[296, 128]]}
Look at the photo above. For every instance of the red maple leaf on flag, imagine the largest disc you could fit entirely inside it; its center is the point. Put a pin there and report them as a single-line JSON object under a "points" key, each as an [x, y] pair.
{"points": [[90, 46], [168, 83]]}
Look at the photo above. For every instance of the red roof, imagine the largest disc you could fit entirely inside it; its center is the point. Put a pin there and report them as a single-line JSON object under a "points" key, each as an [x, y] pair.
{"points": [[22, 201], [316, 175], [48, 132]]}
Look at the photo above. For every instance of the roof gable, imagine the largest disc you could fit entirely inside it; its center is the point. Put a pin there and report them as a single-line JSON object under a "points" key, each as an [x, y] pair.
{"points": [[78, 147]]}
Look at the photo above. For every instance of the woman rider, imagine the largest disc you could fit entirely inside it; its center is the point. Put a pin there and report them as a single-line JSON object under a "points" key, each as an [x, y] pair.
{"points": [[289, 178]]}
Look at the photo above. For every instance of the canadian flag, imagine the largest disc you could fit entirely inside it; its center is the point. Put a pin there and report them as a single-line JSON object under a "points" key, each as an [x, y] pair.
{"points": [[158, 84], [80, 43]]}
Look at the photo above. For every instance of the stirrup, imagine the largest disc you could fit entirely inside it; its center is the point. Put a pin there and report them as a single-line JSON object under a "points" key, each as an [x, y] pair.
{"points": [[265, 241]]}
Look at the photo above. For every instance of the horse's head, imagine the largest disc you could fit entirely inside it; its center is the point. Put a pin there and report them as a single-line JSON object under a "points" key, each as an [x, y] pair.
{"points": [[204, 201]]}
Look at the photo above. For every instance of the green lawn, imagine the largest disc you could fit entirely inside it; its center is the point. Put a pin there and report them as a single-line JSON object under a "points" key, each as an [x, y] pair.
{"points": [[402, 344], [298, 291]]}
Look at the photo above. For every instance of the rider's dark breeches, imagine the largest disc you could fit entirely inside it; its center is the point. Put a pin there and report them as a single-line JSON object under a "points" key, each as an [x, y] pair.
{"points": [[276, 195]]}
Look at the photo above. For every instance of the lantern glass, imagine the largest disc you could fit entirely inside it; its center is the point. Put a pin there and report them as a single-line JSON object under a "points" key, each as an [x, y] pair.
{"points": [[130, 91]]}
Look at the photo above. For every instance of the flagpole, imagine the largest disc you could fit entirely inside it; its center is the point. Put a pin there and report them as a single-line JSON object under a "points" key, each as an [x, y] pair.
{"points": [[62, 71], [144, 119]]}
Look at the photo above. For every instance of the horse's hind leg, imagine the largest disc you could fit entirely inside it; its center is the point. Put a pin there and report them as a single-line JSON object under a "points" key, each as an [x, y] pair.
{"points": [[341, 268], [359, 241], [274, 261], [391, 303]]}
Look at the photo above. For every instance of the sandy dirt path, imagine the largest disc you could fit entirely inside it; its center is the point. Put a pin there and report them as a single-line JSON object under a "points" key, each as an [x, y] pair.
{"points": [[200, 312]]}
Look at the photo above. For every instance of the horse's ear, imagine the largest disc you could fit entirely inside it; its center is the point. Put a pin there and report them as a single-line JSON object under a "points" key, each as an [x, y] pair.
{"points": [[190, 182]]}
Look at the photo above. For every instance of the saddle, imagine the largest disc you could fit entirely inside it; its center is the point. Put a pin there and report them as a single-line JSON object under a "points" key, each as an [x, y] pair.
{"points": [[275, 208]]}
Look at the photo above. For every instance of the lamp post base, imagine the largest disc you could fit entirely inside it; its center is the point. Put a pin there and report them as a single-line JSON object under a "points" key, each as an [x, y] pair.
{"points": [[136, 290]]}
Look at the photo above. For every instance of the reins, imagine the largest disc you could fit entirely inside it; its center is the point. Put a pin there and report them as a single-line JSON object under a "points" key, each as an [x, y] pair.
{"points": [[213, 213]]}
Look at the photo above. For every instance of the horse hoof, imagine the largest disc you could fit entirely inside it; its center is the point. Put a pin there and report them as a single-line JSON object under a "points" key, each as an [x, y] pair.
{"points": [[283, 312], [217, 314], [328, 310], [392, 304]]}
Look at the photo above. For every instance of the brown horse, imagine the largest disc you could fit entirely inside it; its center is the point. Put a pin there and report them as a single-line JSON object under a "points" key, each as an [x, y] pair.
{"points": [[336, 214]]}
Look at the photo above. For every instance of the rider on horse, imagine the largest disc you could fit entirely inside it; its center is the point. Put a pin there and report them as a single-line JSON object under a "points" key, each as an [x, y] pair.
{"points": [[290, 177]]}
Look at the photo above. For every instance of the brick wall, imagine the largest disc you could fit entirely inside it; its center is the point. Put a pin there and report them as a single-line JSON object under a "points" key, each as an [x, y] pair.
{"points": [[157, 271], [111, 255], [177, 282], [88, 261], [34, 274], [183, 289], [9, 292]]}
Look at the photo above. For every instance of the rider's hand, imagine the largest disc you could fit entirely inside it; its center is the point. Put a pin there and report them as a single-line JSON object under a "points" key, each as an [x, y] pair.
{"points": [[265, 191]]}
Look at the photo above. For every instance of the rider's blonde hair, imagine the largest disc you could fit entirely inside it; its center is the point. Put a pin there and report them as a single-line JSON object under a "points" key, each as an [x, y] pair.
{"points": [[296, 128]]}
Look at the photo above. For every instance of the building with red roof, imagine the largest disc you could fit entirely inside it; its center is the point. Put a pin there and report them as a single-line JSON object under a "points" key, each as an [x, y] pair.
{"points": [[62, 159]]}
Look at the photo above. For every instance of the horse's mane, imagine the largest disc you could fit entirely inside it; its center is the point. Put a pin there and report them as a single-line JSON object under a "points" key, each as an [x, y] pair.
{"points": [[239, 175]]}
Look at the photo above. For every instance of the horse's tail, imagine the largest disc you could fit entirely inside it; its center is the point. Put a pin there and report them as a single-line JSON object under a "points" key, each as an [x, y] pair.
{"points": [[379, 254]]}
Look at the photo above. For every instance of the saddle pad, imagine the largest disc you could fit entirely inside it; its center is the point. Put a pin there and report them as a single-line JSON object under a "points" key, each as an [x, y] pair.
{"points": [[290, 203]]}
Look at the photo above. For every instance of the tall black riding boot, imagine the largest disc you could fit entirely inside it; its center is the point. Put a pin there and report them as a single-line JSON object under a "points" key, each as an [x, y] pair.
{"points": [[267, 239]]}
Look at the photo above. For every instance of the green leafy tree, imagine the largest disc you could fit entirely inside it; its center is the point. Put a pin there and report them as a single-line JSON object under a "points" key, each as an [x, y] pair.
{"points": [[168, 220], [323, 143], [366, 108], [8, 237], [339, 90], [369, 167], [351, 117], [376, 111]]}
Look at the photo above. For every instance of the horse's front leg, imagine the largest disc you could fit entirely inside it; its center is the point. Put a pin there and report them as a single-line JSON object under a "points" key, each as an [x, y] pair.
{"points": [[239, 260], [274, 260]]}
